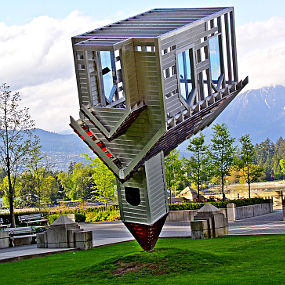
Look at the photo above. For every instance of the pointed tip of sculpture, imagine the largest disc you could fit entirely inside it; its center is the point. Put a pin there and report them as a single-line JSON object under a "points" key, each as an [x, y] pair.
{"points": [[146, 235]]}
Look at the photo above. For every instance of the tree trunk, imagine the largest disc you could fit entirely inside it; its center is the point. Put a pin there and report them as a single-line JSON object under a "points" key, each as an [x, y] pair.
{"points": [[248, 182], [12, 214], [248, 189], [11, 191], [11, 201], [224, 196]]}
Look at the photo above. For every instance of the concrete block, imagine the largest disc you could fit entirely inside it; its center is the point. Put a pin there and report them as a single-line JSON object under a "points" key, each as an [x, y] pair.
{"points": [[231, 212], [71, 237], [283, 207], [42, 240], [200, 229], [23, 240], [4, 239], [83, 240], [219, 232]]}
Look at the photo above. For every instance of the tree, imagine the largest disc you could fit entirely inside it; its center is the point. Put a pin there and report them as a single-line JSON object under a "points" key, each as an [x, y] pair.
{"points": [[16, 140], [282, 165], [27, 191], [174, 170], [39, 171], [78, 184], [198, 164], [264, 152], [222, 153], [251, 173], [246, 158], [104, 179], [279, 153], [4, 188]]}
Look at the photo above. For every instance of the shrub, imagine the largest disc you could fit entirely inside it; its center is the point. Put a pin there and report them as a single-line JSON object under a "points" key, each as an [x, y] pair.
{"points": [[79, 218], [52, 218], [40, 229], [220, 204], [101, 216]]}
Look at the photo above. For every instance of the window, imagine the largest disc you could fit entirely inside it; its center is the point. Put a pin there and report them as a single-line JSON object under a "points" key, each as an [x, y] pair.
{"points": [[133, 196], [108, 74], [185, 73], [112, 88], [214, 58]]}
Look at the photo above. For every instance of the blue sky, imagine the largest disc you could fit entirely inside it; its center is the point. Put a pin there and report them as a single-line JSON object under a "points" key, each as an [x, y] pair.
{"points": [[21, 11], [36, 55]]}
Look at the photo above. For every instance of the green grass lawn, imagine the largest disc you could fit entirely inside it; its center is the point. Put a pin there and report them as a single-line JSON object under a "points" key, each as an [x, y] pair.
{"points": [[233, 260]]}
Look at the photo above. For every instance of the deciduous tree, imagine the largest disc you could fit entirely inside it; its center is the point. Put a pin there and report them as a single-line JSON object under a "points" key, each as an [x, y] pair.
{"points": [[222, 153], [16, 140], [104, 181], [198, 165], [174, 171], [249, 171]]}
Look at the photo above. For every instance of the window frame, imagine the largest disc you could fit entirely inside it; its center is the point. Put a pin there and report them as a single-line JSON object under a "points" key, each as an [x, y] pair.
{"points": [[106, 101], [192, 94]]}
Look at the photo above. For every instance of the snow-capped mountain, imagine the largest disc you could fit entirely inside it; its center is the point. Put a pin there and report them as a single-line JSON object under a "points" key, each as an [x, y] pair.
{"points": [[258, 112]]}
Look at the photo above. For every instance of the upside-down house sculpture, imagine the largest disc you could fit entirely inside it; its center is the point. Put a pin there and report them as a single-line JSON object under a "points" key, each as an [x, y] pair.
{"points": [[145, 85]]}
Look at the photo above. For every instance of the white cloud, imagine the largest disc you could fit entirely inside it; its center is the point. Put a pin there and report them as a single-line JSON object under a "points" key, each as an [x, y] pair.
{"points": [[261, 52], [52, 103], [36, 59]]}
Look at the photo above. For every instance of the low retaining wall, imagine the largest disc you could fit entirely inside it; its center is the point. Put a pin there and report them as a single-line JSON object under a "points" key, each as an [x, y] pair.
{"points": [[185, 215], [283, 207], [253, 210], [232, 212]]}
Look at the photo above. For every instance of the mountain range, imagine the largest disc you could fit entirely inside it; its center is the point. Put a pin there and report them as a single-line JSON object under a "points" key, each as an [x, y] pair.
{"points": [[259, 112]]}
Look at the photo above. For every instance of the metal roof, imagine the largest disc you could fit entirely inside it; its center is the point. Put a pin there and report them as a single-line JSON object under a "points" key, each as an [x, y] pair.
{"points": [[150, 24]]}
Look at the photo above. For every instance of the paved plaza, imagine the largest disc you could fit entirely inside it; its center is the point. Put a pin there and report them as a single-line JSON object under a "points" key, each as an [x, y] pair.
{"points": [[114, 232]]}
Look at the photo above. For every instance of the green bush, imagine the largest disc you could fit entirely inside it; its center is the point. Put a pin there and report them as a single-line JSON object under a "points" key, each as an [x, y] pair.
{"points": [[40, 229], [80, 213], [80, 218], [53, 217], [101, 216]]}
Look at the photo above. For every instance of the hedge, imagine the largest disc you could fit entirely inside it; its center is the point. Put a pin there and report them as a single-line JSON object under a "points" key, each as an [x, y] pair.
{"points": [[79, 212], [221, 204], [96, 214]]}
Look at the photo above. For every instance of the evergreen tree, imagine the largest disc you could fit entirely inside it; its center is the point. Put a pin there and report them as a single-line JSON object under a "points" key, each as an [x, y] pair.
{"points": [[264, 152], [279, 153], [222, 153]]}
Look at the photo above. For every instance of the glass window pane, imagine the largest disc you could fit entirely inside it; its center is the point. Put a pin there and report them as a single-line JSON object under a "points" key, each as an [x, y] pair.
{"points": [[188, 64], [183, 90], [106, 65], [184, 68], [180, 66], [214, 57]]}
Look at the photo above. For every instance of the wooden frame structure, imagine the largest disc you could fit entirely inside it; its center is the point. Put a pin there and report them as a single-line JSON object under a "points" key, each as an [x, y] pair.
{"points": [[146, 84]]}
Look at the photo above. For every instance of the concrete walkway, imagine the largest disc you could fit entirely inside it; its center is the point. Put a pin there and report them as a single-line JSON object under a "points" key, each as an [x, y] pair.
{"points": [[114, 232]]}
